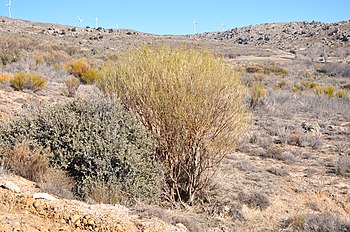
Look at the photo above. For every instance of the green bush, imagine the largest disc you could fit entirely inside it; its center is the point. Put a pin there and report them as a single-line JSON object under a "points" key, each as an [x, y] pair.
{"points": [[97, 142], [191, 101], [30, 81]]}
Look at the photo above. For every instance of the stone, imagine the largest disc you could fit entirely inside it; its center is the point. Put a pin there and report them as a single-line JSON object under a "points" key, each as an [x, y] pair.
{"points": [[45, 196], [75, 218], [181, 227], [11, 186]]}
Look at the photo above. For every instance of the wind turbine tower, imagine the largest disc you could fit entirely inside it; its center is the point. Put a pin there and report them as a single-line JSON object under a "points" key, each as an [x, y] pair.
{"points": [[222, 26], [96, 20], [194, 26], [9, 7], [80, 21]]}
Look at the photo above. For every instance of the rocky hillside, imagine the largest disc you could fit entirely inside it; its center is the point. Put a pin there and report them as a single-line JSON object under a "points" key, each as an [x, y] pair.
{"points": [[286, 35]]}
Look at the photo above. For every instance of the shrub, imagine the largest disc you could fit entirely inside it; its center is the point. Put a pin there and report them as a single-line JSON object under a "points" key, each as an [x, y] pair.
{"points": [[268, 69], [191, 102], [77, 67], [343, 166], [313, 85], [346, 86], [82, 69], [318, 90], [257, 92], [30, 81], [296, 88], [254, 69], [30, 163], [9, 50], [72, 84], [341, 94], [279, 71], [329, 91], [255, 200], [5, 77], [306, 84], [324, 222], [95, 141], [91, 76]]}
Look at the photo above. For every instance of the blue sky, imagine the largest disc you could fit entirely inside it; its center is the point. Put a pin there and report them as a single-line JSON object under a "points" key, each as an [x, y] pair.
{"points": [[176, 17]]}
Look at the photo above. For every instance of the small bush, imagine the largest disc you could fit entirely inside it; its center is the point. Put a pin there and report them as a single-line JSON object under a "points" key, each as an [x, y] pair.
{"points": [[313, 85], [95, 141], [72, 84], [305, 84], [191, 101], [82, 69], [257, 92], [77, 67], [341, 94], [324, 222], [58, 183], [9, 50], [5, 77], [30, 163], [91, 76], [297, 88], [329, 91], [346, 86], [318, 90], [30, 81], [280, 85], [255, 200], [343, 166], [254, 69], [269, 69]]}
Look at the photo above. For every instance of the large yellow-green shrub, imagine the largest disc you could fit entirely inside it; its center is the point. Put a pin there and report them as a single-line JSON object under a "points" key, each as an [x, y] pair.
{"points": [[191, 101]]}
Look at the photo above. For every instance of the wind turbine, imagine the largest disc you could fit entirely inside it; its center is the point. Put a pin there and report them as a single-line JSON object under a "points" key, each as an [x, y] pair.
{"points": [[96, 21], [9, 6], [80, 20], [222, 26], [194, 26]]}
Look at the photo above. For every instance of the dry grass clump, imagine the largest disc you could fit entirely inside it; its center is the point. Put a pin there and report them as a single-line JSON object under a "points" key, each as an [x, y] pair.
{"points": [[257, 92], [30, 81], [343, 166], [324, 222], [57, 182], [72, 84], [193, 104], [151, 211], [26, 161], [256, 200]]}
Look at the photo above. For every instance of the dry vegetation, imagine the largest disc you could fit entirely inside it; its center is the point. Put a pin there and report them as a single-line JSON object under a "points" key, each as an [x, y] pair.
{"points": [[172, 146]]}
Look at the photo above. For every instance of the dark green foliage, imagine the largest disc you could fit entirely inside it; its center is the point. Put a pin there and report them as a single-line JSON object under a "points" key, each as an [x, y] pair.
{"points": [[98, 142]]}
